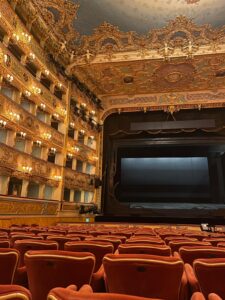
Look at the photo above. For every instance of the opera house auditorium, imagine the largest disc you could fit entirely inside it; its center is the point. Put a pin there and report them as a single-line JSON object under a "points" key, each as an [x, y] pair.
{"points": [[112, 150]]}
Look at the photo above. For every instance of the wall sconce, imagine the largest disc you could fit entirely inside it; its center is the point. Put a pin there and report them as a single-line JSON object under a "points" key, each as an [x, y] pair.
{"points": [[58, 177], [32, 55], [70, 155], [72, 125], [77, 149], [9, 78], [14, 116], [92, 137], [46, 72], [42, 106], [82, 131], [36, 90], [52, 150], [38, 143], [27, 169], [27, 93], [25, 37], [47, 135], [16, 36], [83, 105], [22, 134], [92, 112], [56, 116], [4, 57], [3, 123], [59, 85], [63, 111]]}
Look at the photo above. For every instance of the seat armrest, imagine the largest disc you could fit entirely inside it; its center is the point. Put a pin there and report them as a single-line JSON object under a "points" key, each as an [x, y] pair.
{"points": [[198, 296], [176, 254], [97, 281], [192, 280], [213, 296]]}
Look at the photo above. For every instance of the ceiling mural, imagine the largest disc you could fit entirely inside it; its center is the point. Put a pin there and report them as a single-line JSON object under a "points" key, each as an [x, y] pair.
{"points": [[143, 15], [122, 48], [154, 76]]}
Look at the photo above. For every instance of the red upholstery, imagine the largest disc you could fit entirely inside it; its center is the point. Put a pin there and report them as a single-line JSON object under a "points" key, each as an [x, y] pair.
{"points": [[214, 241], [23, 237], [52, 268], [198, 236], [99, 249], [87, 294], [114, 241], [210, 274], [144, 249], [8, 261], [198, 296], [213, 296], [4, 243], [221, 244], [176, 245], [24, 245], [144, 275], [61, 240], [169, 239], [145, 241], [190, 253], [14, 292]]}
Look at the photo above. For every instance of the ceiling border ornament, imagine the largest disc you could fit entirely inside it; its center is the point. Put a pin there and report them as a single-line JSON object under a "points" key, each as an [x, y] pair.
{"points": [[178, 33], [59, 16]]}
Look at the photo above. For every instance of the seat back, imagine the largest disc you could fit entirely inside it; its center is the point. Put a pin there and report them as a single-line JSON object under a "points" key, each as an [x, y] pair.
{"points": [[145, 241], [144, 249], [52, 268], [176, 245], [4, 243], [61, 240], [210, 274], [144, 275], [190, 253], [68, 294], [14, 292], [99, 249], [25, 245], [8, 261]]}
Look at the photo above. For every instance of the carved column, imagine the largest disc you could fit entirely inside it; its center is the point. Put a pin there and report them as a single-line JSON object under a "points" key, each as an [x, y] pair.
{"points": [[24, 188]]}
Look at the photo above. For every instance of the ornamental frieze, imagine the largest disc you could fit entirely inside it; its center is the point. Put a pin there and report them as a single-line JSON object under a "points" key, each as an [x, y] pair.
{"points": [[29, 122], [14, 160], [78, 180], [27, 207]]}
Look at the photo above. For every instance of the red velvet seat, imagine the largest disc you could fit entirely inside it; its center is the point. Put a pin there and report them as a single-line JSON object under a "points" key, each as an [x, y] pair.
{"points": [[8, 261], [190, 253], [214, 241], [14, 292], [4, 243], [198, 236], [210, 274], [61, 240], [176, 245], [137, 248], [53, 268], [99, 249], [169, 239], [25, 245], [207, 276], [87, 294], [114, 241], [145, 241], [145, 275], [23, 237]]}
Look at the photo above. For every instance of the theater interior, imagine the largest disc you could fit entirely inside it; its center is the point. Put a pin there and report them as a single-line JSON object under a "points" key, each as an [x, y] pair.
{"points": [[112, 149]]}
